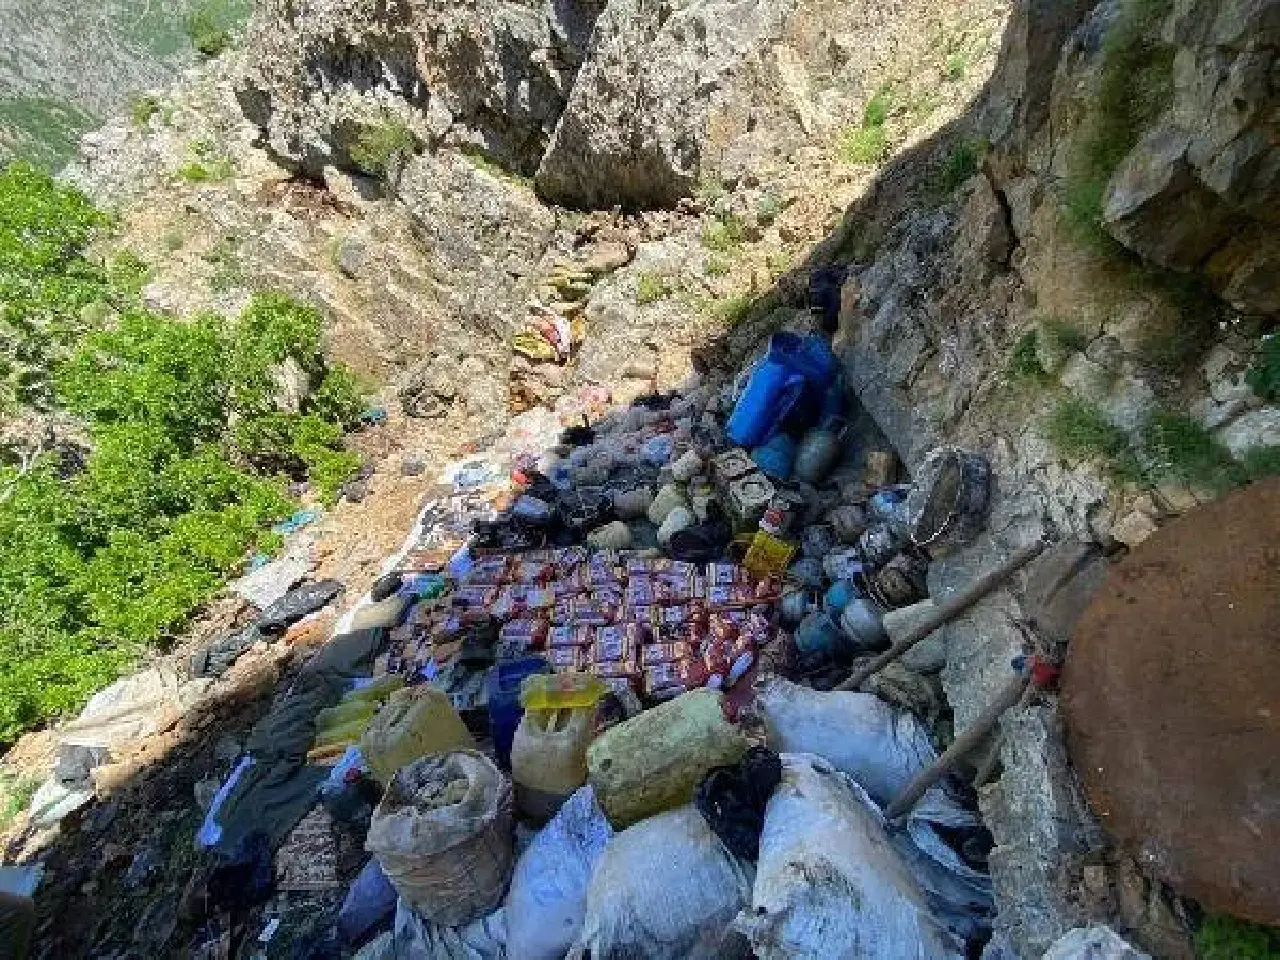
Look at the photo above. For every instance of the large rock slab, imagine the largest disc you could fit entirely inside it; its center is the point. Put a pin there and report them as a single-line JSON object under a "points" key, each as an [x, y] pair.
{"points": [[632, 132]]}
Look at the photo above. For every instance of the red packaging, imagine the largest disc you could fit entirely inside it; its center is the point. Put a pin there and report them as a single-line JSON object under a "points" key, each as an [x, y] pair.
{"points": [[672, 679], [529, 571], [585, 611], [723, 629]]}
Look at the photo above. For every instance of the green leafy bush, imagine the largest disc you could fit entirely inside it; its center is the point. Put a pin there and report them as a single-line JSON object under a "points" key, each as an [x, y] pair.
{"points": [[956, 67], [210, 25], [1225, 938], [46, 283], [106, 559]]}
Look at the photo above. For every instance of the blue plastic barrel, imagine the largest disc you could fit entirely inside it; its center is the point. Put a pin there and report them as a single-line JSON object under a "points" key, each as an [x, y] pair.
{"points": [[771, 392], [504, 702], [795, 374], [776, 457]]}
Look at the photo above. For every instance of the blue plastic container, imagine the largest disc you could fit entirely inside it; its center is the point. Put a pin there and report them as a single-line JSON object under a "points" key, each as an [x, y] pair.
{"points": [[771, 392], [504, 702], [776, 457]]}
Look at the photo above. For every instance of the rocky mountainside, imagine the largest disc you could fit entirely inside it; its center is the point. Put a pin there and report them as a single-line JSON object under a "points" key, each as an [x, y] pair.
{"points": [[65, 68], [1052, 227]]}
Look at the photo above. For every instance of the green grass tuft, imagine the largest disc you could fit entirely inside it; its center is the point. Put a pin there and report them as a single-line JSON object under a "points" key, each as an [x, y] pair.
{"points": [[1135, 86], [1079, 430], [1024, 362], [716, 266], [768, 208], [15, 796], [865, 145], [1180, 448], [725, 233], [962, 162], [143, 109], [1062, 337], [381, 146], [869, 143], [651, 287], [957, 66]]}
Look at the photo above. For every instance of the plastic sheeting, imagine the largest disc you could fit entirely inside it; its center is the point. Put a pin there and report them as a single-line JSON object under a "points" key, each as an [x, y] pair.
{"points": [[829, 883], [547, 901], [883, 749], [665, 889]]}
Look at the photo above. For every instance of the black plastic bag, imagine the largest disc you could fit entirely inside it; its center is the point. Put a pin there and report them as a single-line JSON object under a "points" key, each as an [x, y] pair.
{"points": [[732, 800]]}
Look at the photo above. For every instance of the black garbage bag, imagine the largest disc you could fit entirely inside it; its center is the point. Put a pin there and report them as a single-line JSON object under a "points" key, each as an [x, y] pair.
{"points": [[732, 800], [384, 587], [703, 542], [217, 657], [824, 294], [245, 879], [577, 436], [296, 604]]}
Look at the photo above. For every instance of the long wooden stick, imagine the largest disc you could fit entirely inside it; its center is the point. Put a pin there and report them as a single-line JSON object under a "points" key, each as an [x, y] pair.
{"points": [[948, 610], [972, 735]]}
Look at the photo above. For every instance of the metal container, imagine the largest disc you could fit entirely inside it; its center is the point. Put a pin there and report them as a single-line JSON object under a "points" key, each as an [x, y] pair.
{"points": [[901, 582], [861, 621], [948, 505], [731, 465], [807, 573], [879, 544], [881, 468], [817, 540], [749, 497], [818, 452]]}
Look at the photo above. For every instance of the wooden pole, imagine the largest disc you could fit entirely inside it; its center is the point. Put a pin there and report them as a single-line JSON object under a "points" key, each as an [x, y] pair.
{"points": [[948, 610], [969, 738]]}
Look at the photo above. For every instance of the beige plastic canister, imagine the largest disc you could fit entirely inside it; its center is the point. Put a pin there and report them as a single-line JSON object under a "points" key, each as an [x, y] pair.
{"points": [[549, 759], [668, 498], [654, 762], [414, 722]]}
